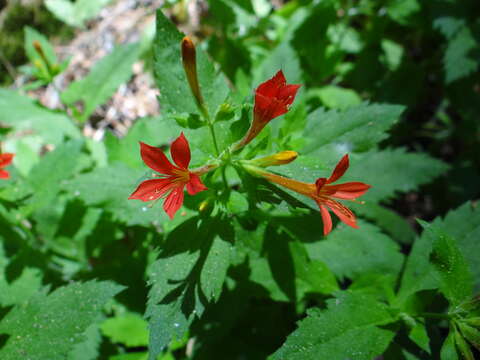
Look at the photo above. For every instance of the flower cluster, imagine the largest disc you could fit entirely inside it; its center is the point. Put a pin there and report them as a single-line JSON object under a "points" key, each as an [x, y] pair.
{"points": [[272, 99]]}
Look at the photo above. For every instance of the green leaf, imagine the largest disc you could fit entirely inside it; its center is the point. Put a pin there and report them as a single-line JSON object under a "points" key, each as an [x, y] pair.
{"points": [[103, 80], [120, 181], [460, 59], [53, 169], [24, 115], [77, 12], [284, 268], [351, 319], [390, 222], [175, 94], [47, 327], [351, 253], [456, 281], [187, 277], [156, 131], [21, 288], [448, 351], [463, 224], [393, 170], [129, 329], [402, 10], [335, 97], [32, 35], [356, 129], [88, 349]]}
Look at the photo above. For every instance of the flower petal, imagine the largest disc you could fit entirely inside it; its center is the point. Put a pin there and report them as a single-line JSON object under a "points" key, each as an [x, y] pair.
{"points": [[327, 219], [155, 159], [195, 185], [348, 191], [319, 184], [287, 93], [4, 174], [180, 151], [339, 170], [343, 213], [270, 87], [174, 201], [152, 189], [6, 159]]}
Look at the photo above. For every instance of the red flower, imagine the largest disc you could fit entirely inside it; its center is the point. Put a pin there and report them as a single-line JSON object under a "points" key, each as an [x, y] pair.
{"points": [[5, 160], [272, 99], [174, 178], [325, 194]]}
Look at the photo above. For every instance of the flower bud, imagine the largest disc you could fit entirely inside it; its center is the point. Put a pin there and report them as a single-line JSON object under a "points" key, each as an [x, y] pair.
{"points": [[189, 58], [280, 158]]}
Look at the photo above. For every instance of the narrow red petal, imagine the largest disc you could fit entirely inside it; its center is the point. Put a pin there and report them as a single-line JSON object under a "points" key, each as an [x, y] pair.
{"points": [[174, 201], [152, 189], [4, 174], [339, 170], [155, 159], [180, 151], [348, 191], [327, 220], [6, 159], [343, 213], [195, 185]]}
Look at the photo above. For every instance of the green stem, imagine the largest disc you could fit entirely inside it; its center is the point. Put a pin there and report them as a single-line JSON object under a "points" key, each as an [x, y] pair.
{"points": [[208, 119], [434, 315]]}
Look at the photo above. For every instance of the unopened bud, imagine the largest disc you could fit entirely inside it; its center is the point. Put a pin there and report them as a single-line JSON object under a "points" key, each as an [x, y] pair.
{"points": [[280, 158], [189, 58], [225, 112], [38, 48], [52, 71]]}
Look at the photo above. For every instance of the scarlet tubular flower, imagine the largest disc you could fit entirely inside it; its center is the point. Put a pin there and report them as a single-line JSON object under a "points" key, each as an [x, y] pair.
{"points": [[325, 194], [272, 99], [173, 178], [5, 160]]}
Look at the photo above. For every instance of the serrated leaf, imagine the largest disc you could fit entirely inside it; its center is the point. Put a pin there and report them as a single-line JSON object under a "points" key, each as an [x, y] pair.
{"points": [[120, 181], [284, 268], [350, 253], [356, 129], [175, 94], [387, 219], [21, 288], [187, 277], [88, 349], [464, 225], [393, 170], [103, 80], [456, 281], [47, 327], [351, 319], [459, 60]]}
